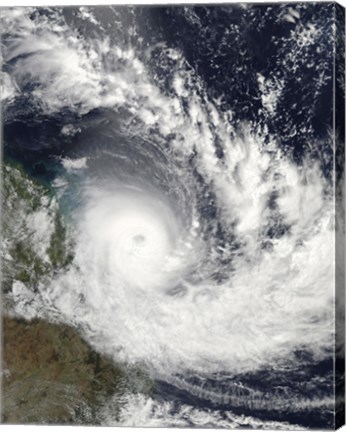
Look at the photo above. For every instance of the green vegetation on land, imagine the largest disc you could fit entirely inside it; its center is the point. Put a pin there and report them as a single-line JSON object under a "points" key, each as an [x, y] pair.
{"points": [[22, 258]]}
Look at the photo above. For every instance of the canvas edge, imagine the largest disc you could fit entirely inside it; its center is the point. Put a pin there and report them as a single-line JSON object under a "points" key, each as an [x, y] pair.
{"points": [[339, 154]]}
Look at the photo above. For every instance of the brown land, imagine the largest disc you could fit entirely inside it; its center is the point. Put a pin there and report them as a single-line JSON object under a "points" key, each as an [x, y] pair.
{"points": [[50, 375]]}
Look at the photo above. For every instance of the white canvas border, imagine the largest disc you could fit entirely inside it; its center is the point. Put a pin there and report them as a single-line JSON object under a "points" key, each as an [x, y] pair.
{"points": [[14, 3]]}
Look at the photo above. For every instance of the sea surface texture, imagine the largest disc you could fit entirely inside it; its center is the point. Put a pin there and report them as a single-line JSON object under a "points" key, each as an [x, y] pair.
{"points": [[170, 181]]}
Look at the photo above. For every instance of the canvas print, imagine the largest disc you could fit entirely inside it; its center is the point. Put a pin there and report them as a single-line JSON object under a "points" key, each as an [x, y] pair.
{"points": [[172, 216]]}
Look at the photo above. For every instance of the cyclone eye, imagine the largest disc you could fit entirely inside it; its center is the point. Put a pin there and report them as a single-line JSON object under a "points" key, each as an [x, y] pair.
{"points": [[139, 239]]}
